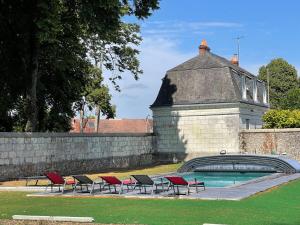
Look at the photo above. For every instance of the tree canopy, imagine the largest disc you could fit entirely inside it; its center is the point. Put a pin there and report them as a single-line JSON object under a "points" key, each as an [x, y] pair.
{"points": [[283, 83], [292, 100], [48, 53]]}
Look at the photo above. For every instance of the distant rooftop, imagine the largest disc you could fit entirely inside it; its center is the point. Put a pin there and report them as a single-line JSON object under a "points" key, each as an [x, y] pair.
{"points": [[114, 126]]}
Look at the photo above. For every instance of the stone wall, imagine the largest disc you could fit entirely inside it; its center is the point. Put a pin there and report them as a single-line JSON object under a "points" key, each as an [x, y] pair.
{"points": [[186, 132], [271, 141], [24, 154]]}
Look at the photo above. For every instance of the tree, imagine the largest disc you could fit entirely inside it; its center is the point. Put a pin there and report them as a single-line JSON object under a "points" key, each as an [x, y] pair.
{"points": [[282, 78], [292, 100], [96, 96], [44, 55]]}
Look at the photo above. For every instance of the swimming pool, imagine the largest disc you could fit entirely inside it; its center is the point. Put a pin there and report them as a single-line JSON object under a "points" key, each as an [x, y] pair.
{"points": [[223, 179]]}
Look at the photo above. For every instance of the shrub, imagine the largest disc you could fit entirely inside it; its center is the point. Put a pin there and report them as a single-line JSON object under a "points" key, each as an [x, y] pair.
{"points": [[282, 119]]}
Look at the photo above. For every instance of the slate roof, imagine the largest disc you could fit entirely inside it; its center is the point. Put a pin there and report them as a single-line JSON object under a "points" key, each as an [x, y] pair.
{"points": [[206, 78], [114, 126]]}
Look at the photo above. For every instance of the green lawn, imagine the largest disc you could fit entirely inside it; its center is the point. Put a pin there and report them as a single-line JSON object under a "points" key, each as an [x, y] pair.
{"points": [[280, 206]]}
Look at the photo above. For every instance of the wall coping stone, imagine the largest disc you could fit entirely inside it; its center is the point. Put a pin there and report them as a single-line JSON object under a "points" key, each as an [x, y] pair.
{"points": [[48, 134], [286, 130]]}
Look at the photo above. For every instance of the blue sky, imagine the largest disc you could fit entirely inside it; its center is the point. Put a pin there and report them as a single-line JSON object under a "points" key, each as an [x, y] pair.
{"points": [[173, 33]]}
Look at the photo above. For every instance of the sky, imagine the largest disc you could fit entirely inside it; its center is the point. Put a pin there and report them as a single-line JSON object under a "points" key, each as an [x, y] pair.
{"points": [[269, 29]]}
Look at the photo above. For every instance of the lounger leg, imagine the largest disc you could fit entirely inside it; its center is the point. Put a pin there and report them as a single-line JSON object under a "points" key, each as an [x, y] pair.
{"points": [[153, 189], [74, 188], [92, 188], [169, 186], [196, 188], [188, 190], [121, 189], [63, 188], [47, 186]]}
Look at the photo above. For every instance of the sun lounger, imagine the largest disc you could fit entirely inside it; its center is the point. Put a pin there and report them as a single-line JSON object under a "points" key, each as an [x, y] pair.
{"points": [[57, 180], [144, 181], [83, 180], [177, 181], [112, 181]]}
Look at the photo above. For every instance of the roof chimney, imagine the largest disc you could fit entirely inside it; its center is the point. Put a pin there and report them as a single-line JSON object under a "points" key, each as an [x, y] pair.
{"points": [[234, 60], [203, 47]]}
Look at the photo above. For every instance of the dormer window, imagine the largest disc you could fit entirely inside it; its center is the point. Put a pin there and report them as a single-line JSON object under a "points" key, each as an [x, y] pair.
{"points": [[255, 91], [243, 85], [265, 95]]}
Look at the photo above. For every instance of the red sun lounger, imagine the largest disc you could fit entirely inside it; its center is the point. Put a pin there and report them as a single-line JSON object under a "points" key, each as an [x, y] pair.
{"points": [[112, 181], [57, 180], [177, 181]]}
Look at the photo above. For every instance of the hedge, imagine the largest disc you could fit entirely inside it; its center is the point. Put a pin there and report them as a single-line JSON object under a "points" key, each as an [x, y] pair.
{"points": [[282, 119]]}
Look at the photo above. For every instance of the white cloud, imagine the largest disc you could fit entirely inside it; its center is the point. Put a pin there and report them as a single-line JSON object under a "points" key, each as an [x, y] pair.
{"points": [[298, 70], [182, 28], [156, 57], [191, 24], [136, 85]]}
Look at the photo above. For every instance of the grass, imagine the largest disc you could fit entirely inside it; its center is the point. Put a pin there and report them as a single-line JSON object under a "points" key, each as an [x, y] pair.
{"points": [[278, 207], [281, 206], [41, 222]]}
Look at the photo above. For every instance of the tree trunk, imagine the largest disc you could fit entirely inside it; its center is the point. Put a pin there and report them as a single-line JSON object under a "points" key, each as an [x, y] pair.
{"points": [[97, 119], [81, 114], [32, 109]]}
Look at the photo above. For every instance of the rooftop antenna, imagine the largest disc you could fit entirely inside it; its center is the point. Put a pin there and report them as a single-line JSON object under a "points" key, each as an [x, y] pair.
{"points": [[238, 38]]}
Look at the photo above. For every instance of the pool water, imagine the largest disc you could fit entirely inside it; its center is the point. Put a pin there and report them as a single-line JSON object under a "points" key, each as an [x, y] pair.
{"points": [[223, 179]]}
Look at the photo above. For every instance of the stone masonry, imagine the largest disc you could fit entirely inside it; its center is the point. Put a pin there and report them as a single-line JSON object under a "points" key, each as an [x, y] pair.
{"points": [[181, 135], [271, 141], [186, 132], [24, 154]]}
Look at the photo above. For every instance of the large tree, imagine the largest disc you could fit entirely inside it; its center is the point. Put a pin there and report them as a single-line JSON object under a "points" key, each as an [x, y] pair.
{"points": [[292, 100], [282, 80], [47, 52]]}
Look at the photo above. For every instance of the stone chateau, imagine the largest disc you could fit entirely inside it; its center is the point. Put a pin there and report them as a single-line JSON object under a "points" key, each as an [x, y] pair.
{"points": [[202, 105]]}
